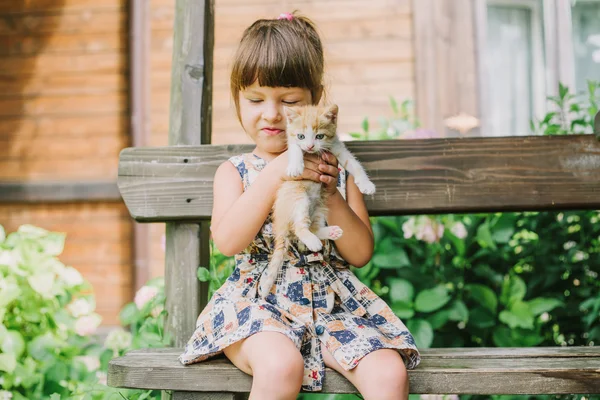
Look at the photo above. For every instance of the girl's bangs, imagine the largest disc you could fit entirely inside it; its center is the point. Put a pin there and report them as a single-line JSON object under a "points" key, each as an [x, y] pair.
{"points": [[277, 65]]}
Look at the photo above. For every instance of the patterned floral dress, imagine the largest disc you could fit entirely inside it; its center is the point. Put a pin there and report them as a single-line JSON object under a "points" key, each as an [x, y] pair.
{"points": [[316, 300]]}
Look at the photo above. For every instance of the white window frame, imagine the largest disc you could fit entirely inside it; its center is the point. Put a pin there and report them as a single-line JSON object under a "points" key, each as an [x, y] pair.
{"points": [[553, 59]]}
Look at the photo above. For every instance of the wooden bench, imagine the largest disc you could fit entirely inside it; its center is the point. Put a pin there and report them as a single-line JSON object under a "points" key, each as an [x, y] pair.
{"points": [[174, 185], [412, 177]]}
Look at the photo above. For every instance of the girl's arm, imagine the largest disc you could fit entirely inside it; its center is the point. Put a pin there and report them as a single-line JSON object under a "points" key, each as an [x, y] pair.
{"points": [[356, 244], [237, 216]]}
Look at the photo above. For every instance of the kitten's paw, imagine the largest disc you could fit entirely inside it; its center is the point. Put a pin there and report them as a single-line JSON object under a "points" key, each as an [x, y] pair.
{"points": [[335, 232], [365, 186], [295, 170], [313, 243]]}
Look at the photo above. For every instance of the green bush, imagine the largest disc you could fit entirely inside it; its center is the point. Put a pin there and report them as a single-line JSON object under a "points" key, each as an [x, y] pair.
{"points": [[47, 322]]}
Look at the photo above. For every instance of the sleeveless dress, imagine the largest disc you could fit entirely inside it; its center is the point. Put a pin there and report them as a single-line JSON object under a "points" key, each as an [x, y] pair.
{"points": [[317, 300]]}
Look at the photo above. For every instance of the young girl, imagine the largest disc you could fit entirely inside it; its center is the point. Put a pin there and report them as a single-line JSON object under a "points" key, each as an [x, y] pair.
{"points": [[318, 313]]}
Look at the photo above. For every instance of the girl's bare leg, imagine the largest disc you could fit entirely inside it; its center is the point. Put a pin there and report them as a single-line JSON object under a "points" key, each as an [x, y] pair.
{"points": [[380, 375], [273, 361]]}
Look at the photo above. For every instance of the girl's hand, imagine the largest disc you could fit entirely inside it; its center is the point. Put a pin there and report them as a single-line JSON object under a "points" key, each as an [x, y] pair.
{"points": [[328, 168], [317, 169]]}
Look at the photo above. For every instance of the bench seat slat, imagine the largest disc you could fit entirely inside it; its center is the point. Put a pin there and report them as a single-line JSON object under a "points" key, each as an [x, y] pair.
{"points": [[412, 176], [542, 370]]}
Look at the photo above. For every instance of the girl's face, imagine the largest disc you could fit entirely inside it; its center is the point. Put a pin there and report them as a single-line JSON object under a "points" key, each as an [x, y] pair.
{"points": [[263, 118]]}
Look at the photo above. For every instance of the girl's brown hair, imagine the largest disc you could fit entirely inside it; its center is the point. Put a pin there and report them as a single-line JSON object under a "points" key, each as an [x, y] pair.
{"points": [[279, 53]]}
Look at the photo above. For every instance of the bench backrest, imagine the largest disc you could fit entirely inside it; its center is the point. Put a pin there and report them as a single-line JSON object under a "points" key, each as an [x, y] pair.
{"points": [[174, 185], [428, 176]]}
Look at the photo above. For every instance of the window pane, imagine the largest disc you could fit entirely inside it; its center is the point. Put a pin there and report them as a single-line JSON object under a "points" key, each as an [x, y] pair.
{"points": [[509, 67], [586, 41]]}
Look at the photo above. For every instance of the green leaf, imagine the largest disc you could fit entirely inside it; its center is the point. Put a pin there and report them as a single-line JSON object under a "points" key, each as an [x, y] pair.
{"points": [[402, 309], [401, 290], [8, 293], [129, 314], [513, 290], [8, 363], [393, 259], [504, 228], [506, 337], [203, 274], [394, 105], [58, 372], [484, 236], [541, 305], [518, 316], [458, 311], [439, 319], [365, 125], [482, 318], [432, 299], [43, 283], [356, 135], [53, 243], [483, 295], [55, 396], [12, 342], [421, 331]]}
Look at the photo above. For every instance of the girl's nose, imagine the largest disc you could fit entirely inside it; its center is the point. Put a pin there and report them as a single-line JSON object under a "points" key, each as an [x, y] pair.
{"points": [[271, 113]]}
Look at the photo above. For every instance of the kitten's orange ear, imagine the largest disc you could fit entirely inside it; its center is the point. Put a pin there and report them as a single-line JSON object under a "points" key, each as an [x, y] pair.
{"points": [[331, 113], [290, 113]]}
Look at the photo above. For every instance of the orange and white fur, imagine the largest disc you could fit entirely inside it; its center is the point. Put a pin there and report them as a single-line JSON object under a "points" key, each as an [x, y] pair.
{"points": [[300, 209]]}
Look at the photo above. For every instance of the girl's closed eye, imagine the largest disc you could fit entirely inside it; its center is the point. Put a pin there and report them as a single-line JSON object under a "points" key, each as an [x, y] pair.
{"points": [[290, 102], [254, 100]]}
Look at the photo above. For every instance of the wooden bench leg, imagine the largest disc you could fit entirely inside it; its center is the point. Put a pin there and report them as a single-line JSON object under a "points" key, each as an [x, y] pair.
{"points": [[208, 396]]}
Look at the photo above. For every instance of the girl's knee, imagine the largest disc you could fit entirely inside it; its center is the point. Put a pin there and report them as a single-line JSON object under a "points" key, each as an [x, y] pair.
{"points": [[280, 370], [387, 377]]}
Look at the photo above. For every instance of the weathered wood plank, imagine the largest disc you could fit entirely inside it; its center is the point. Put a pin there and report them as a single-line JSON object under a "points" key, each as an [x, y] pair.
{"points": [[189, 124], [455, 352], [597, 125], [208, 396], [462, 371], [53, 192], [412, 176]]}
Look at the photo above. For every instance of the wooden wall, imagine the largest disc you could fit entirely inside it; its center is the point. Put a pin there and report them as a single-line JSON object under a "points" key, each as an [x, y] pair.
{"points": [[64, 117]]}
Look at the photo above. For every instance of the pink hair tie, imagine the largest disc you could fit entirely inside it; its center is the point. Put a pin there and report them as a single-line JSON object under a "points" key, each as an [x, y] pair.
{"points": [[287, 16]]}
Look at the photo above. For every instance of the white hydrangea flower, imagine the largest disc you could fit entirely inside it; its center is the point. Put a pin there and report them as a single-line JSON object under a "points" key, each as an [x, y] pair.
{"points": [[118, 339], [71, 276], [144, 295], [80, 307], [87, 325], [5, 395], [91, 363]]}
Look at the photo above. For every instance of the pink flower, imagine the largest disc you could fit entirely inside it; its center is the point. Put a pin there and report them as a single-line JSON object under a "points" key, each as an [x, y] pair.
{"points": [[430, 231], [144, 295], [87, 324], [459, 230]]}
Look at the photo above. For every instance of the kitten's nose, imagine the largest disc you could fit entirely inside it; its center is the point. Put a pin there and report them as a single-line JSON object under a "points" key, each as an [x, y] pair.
{"points": [[310, 147]]}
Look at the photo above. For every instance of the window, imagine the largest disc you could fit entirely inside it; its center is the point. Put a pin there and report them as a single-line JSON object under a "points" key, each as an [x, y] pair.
{"points": [[514, 67], [527, 48], [585, 16]]}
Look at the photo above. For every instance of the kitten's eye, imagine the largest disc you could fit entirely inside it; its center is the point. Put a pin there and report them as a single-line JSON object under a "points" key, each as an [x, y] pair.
{"points": [[300, 136], [320, 136]]}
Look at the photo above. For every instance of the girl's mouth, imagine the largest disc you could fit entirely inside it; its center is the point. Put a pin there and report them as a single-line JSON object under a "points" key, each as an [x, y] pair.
{"points": [[272, 131]]}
